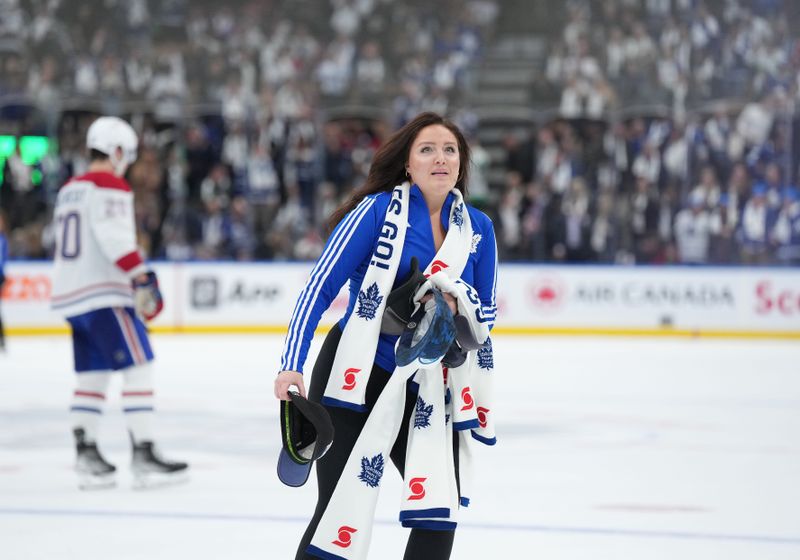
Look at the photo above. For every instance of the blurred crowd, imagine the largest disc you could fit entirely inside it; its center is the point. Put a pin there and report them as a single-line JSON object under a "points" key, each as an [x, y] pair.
{"points": [[614, 54], [236, 161], [676, 138]]}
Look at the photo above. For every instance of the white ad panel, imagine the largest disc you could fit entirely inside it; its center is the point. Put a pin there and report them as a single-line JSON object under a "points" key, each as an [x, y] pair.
{"points": [[26, 296], [244, 294], [649, 298], [262, 296]]}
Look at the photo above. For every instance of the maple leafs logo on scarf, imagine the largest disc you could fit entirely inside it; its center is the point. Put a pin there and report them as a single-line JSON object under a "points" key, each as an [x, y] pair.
{"points": [[371, 470], [368, 302], [476, 238], [422, 416], [458, 215], [485, 356]]}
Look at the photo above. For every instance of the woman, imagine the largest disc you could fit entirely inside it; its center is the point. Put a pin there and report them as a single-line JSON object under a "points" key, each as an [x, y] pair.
{"points": [[417, 179]]}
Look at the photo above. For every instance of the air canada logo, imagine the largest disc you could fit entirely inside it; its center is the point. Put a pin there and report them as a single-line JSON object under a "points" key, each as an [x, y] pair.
{"points": [[547, 293], [345, 536], [458, 215], [483, 414], [350, 378], [422, 415], [371, 470], [466, 397], [417, 487], [368, 302], [486, 356]]}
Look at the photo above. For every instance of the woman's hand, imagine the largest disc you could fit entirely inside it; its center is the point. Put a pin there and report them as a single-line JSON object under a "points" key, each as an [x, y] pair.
{"points": [[287, 379], [451, 303]]}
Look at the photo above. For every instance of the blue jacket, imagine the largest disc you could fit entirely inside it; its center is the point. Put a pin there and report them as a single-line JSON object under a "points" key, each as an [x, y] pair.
{"points": [[347, 259], [3, 252]]}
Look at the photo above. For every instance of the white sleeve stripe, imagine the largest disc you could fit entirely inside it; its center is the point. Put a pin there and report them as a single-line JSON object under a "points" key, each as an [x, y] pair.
{"points": [[307, 299], [320, 274], [291, 342]]}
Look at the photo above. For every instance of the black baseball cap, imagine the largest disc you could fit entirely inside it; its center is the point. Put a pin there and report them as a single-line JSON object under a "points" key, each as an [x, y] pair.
{"points": [[307, 433]]}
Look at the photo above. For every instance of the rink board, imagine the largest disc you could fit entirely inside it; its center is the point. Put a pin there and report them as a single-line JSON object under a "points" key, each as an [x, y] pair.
{"points": [[531, 299]]}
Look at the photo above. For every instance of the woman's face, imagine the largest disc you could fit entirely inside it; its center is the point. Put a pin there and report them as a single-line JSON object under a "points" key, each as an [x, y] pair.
{"points": [[434, 160]]}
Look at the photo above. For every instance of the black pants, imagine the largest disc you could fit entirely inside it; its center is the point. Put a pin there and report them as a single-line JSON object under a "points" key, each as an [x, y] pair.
{"points": [[423, 544]]}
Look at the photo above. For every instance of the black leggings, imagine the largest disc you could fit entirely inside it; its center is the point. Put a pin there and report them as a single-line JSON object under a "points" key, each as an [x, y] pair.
{"points": [[423, 544]]}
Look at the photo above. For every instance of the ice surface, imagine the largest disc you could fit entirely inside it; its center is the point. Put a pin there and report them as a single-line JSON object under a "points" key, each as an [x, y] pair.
{"points": [[609, 448]]}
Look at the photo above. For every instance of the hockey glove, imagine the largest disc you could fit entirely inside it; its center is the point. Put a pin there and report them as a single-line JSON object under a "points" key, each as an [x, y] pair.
{"points": [[400, 304], [147, 296]]}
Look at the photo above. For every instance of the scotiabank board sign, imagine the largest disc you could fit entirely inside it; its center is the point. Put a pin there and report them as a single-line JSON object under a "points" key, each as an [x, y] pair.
{"points": [[530, 298]]}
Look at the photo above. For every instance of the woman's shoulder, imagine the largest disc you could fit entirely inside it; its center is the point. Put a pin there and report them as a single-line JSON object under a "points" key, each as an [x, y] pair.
{"points": [[480, 221], [376, 205], [381, 197], [379, 201]]}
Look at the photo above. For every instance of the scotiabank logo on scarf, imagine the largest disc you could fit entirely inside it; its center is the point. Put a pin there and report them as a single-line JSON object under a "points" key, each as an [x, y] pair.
{"points": [[437, 266], [466, 396], [350, 378], [417, 487], [482, 416], [345, 536]]}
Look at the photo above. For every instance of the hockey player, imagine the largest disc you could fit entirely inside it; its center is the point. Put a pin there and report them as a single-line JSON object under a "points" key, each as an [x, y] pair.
{"points": [[103, 288]]}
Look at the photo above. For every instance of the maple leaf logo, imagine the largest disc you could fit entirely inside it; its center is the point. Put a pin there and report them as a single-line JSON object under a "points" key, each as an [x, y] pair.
{"points": [[371, 470], [368, 302], [458, 215], [485, 356], [476, 238], [422, 415]]}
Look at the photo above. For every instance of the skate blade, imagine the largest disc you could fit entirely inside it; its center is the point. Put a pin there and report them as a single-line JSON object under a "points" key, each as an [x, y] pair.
{"points": [[154, 481], [96, 482]]}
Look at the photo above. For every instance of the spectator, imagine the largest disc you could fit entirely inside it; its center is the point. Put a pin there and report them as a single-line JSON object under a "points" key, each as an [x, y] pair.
{"points": [[754, 227], [693, 231], [785, 235], [644, 215]]}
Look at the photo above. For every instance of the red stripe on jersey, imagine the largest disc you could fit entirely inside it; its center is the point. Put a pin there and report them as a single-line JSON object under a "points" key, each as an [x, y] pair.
{"points": [[81, 291], [130, 336], [137, 393], [105, 180], [129, 261], [100, 396]]}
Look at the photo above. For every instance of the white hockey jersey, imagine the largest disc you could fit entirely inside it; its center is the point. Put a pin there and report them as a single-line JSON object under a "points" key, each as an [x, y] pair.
{"points": [[96, 255]]}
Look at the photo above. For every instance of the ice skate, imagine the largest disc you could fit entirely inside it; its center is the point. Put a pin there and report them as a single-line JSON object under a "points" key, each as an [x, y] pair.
{"points": [[94, 472], [150, 470]]}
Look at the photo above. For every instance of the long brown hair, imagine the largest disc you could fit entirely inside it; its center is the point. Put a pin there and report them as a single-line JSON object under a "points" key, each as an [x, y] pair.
{"points": [[388, 167]]}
